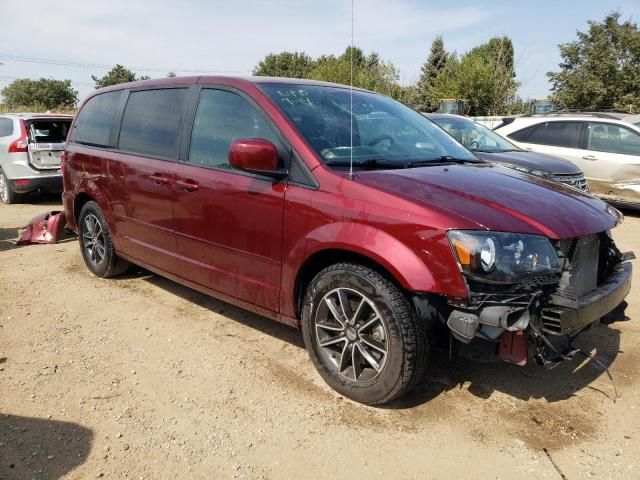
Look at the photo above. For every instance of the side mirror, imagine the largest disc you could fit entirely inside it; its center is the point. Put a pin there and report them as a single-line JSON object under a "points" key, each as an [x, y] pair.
{"points": [[255, 155]]}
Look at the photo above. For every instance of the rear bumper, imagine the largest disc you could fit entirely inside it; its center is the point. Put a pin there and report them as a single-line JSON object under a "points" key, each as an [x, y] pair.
{"points": [[562, 320], [25, 185]]}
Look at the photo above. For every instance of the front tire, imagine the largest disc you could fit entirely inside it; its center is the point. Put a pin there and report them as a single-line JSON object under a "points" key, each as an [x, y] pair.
{"points": [[96, 245], [362, 334]]}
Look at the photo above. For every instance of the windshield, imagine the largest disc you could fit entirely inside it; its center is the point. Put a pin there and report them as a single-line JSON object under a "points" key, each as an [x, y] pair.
{"points": [[473, 135], [385, 132]]}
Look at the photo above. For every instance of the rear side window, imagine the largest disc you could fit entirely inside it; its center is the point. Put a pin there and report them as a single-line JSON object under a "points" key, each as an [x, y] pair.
{"points": [[563, 134], [95, 122], [6, 127], [613, 138], [223, 117], [151, 122]]}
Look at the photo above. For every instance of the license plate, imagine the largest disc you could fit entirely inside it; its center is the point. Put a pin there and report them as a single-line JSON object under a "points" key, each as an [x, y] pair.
{"points": [[41, 146]]}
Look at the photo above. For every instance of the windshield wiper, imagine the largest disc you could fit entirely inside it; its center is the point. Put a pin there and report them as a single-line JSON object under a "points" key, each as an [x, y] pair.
{"points": [[442, 159], [370, 163]]}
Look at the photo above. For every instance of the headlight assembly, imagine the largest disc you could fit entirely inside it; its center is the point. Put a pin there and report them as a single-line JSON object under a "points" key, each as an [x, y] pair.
{"points": [[503, 257]]}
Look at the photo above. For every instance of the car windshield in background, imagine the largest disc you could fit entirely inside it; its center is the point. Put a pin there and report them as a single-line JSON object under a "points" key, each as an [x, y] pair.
{"points": [[386, 134], [473, 135]]}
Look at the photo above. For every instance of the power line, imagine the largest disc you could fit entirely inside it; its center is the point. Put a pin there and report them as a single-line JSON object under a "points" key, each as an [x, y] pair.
{"points": [[70, 63], [7, 78]]}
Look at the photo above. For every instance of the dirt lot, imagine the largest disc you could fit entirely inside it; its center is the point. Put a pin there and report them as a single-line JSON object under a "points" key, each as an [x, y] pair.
{"points": [[138, 377]]}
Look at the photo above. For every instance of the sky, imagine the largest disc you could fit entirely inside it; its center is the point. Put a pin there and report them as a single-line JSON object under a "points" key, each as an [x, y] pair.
{"points": [[74, 39]]}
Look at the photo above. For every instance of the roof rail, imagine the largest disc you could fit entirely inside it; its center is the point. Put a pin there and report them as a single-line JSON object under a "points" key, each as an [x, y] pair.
{"points": [[577, 113]]}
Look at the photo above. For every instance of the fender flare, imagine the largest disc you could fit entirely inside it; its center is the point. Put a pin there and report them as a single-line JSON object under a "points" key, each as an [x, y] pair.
{"points": [[86, 186], [399, 260]]}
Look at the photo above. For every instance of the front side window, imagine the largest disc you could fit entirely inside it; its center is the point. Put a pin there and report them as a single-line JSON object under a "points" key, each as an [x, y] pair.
{"points": [[613, 138], [151, 123], [379, 128], [6, 127], [95, 121], [223, 117]]}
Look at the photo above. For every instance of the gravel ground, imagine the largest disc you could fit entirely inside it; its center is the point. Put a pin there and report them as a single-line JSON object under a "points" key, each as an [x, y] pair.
{"points": [[139, 377]]}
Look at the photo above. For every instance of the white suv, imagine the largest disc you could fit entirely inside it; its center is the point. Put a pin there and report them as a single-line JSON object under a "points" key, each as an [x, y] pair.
{"points": [[606, 147], [30, 149]]}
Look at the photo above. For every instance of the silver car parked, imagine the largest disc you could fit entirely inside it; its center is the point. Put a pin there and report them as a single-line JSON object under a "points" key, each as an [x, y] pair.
{"points": [[30, 149], [605, 145]]}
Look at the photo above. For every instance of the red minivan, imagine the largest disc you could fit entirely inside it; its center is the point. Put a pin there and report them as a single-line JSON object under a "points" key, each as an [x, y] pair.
{"points": [[342, 212]]}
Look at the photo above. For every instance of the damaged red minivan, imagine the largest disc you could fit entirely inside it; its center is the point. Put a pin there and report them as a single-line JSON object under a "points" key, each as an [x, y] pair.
{"points": [[344, 213]]}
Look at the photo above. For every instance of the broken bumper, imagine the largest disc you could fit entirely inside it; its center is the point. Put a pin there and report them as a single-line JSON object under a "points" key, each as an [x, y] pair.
{"points": [[562, 320], [44, 228], [550, 323]]}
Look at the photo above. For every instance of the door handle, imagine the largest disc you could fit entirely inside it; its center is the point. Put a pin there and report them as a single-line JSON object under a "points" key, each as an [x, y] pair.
{"points": [[528, 149], [187, 185], [159, 179], [589, 157]]}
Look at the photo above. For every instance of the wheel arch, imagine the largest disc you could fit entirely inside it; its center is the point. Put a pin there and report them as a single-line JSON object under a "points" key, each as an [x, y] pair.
{"points": [[315, 263], [81, 199]]}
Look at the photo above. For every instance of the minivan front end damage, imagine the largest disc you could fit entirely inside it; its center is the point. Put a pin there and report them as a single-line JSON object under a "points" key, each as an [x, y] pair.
{"points": [[550, 304]]}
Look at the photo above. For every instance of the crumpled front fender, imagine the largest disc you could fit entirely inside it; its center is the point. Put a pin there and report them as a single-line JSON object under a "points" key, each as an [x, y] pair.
{"points": [[44, 228]]}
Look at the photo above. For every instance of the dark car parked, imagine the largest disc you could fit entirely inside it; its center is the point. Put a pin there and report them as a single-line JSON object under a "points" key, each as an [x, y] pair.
{"points": [[490, 146], [344, 213]]}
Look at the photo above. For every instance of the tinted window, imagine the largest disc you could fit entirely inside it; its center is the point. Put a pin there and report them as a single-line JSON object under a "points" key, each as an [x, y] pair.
{"points": [[6, 127], [528, 134], [95, 121], [613, 138], [562, 134], [151, 122], [223, 117]]}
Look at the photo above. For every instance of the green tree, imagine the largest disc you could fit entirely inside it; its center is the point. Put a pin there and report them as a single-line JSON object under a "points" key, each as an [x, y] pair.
{"points": [[369, 72], [116, 75], [285, 64], [484, 76], [601, 69], [436, 62], [43, 94]]}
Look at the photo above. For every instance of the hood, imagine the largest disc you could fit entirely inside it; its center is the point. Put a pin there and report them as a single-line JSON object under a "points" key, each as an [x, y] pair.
{"points": [[532, 161], [498, 198]]}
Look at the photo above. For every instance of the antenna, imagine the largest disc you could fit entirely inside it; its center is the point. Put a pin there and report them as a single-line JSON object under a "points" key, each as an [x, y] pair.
{"points": [[351, 102]]}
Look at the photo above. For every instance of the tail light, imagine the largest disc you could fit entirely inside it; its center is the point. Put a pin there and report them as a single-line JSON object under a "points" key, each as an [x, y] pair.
{"points": [[21, 144]]}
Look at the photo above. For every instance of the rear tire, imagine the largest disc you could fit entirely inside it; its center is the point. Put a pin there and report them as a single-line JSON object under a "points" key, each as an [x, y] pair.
{"points": [[362, 334], [7, 195], [96, 245]]}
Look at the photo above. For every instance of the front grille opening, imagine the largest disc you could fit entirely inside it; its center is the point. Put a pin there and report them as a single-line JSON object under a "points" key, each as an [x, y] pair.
{"points": [[587, 262]]}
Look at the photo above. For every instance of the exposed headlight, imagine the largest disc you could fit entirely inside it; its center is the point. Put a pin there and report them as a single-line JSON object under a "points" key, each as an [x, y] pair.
{"points": [[503, 257]]}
